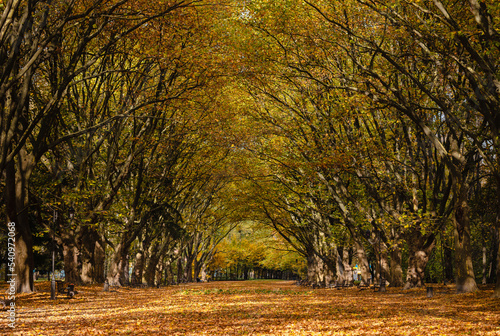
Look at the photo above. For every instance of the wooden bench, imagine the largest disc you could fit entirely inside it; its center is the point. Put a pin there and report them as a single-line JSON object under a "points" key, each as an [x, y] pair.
{"points": [[65, 288]]}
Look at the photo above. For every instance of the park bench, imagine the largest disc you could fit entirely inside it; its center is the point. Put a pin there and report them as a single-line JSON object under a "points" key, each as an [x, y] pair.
{"points": [[66, 288]]}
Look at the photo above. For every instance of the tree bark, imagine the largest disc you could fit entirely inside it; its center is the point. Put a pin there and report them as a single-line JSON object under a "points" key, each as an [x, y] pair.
{"points": [[420, 248], [496, 293], [315, 274], [494, 255], [16, 198], [465, 279], [117, 273], [346, 267], [70, 254], [396, 279], [139, 266], [92, 256], [179, 269], [416, 269], [364, 266], [150, 271]]}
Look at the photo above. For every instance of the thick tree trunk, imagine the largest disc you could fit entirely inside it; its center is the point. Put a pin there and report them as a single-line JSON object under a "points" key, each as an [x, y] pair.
{"points": [[396, 278], [17, 206], [99, 262], [416, 269], [88, 243], [179, 269], [138, 266], [118, 270], [188, 269], [347, 269], [24, 257], [382, 263], [150, 272], [70, 254], [159, 273], [169, 274], [364, 266], [314, 269], [329, 275], [494, 256], [496, 293], [420, 248], [203, 273], [465, 280]]}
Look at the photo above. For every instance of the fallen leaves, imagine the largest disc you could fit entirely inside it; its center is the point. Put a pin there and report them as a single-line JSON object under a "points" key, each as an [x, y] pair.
{"points": [[255, 308]]}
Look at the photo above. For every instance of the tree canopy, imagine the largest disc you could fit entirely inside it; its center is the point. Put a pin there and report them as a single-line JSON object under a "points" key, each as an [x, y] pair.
{"points": [[195, 138]]}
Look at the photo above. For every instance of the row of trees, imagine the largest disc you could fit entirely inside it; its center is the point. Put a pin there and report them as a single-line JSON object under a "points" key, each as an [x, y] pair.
{"points": [[379, 128], [357, 130], [110, 109]]}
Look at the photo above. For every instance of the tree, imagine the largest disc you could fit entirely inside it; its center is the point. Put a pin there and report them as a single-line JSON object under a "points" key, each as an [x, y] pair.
{"points": [[33, 36]]}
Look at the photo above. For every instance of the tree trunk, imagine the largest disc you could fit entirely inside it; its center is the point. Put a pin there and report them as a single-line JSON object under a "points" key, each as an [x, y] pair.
{"points": [[347, 276], [382, 263], [99, 262], [396, 279], [16, 194], [169, 274], [159, 273], [420, 248], [118, 273], [314, 269], [416, 269], [70, 254], [88, 244], [497, 256], [150, 272], [179, 269], [364, 267], [494, 255], [496, 293], [138, 266], [203, 273], [465, 281], [485, 266]]}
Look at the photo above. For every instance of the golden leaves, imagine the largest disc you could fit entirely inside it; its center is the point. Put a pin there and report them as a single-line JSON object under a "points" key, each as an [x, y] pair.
{"points": [[270, 307]]}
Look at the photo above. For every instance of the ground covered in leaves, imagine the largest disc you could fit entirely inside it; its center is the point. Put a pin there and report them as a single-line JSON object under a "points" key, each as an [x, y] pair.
{"points": [[254, 308]]}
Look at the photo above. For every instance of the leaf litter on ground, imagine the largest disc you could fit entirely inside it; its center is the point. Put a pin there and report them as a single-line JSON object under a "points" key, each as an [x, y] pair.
{"points": [[267, 307]]}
